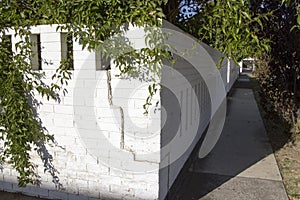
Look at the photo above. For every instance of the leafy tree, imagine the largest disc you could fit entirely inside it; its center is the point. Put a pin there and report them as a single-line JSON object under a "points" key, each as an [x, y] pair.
{"points": [[225, 25], [278, 71]]}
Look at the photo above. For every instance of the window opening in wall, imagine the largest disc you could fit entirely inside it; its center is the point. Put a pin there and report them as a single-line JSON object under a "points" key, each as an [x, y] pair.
{"points": [[67, 50], [191, 113], [8, 43], [195, 102], [199, 99], [36, 59], [181, 111], [206, 99], [202, 97], [187, 109], [102, 62]]}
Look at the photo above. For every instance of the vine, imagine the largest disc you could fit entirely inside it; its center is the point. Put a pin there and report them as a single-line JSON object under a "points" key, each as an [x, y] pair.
{"points": [[91, 22]]}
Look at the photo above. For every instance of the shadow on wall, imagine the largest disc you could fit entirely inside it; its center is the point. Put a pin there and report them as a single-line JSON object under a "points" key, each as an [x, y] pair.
{"points": [[41, 149]]}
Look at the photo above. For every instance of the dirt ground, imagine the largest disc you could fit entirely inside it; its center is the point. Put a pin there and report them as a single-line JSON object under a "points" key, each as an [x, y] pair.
{"points": [[15, 196], [288, 159]]}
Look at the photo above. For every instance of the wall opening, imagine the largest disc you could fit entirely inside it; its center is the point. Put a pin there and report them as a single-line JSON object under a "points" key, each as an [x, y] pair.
{"points": [[103, 62], [8, 43], [67, 50], [36, 59]]}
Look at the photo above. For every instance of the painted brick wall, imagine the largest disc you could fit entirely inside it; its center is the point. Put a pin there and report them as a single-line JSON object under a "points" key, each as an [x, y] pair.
{"points": [[192, 110], [107, 147], [84, 122]]}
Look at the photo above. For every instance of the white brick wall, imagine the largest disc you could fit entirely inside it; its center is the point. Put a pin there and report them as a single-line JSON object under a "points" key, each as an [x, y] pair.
{"points": [[90, 159], [75, 123], [186, 83]]}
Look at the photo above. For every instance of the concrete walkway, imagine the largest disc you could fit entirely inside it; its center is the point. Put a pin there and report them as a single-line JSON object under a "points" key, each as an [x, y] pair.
{"points": [[242, 166]]}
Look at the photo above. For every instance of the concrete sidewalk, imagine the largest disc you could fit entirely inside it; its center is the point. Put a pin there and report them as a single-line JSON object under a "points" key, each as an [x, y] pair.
{"points": [[242, 165]]}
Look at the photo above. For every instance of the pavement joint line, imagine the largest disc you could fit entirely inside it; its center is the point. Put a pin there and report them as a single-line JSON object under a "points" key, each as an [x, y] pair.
{"points": [[236, 176]]}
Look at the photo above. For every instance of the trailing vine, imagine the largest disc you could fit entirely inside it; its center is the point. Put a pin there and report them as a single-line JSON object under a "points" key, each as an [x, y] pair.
{"points": [[91, 22]]}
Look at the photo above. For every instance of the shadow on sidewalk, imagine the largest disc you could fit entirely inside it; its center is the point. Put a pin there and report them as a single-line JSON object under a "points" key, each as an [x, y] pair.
{"points": [[243, 143]]}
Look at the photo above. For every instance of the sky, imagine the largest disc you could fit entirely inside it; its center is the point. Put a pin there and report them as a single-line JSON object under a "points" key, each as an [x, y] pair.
{"points": [[188, 9]]}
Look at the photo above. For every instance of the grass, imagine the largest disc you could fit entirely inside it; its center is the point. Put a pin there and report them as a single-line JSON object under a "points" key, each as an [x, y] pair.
{"points": [[287, 153]]}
